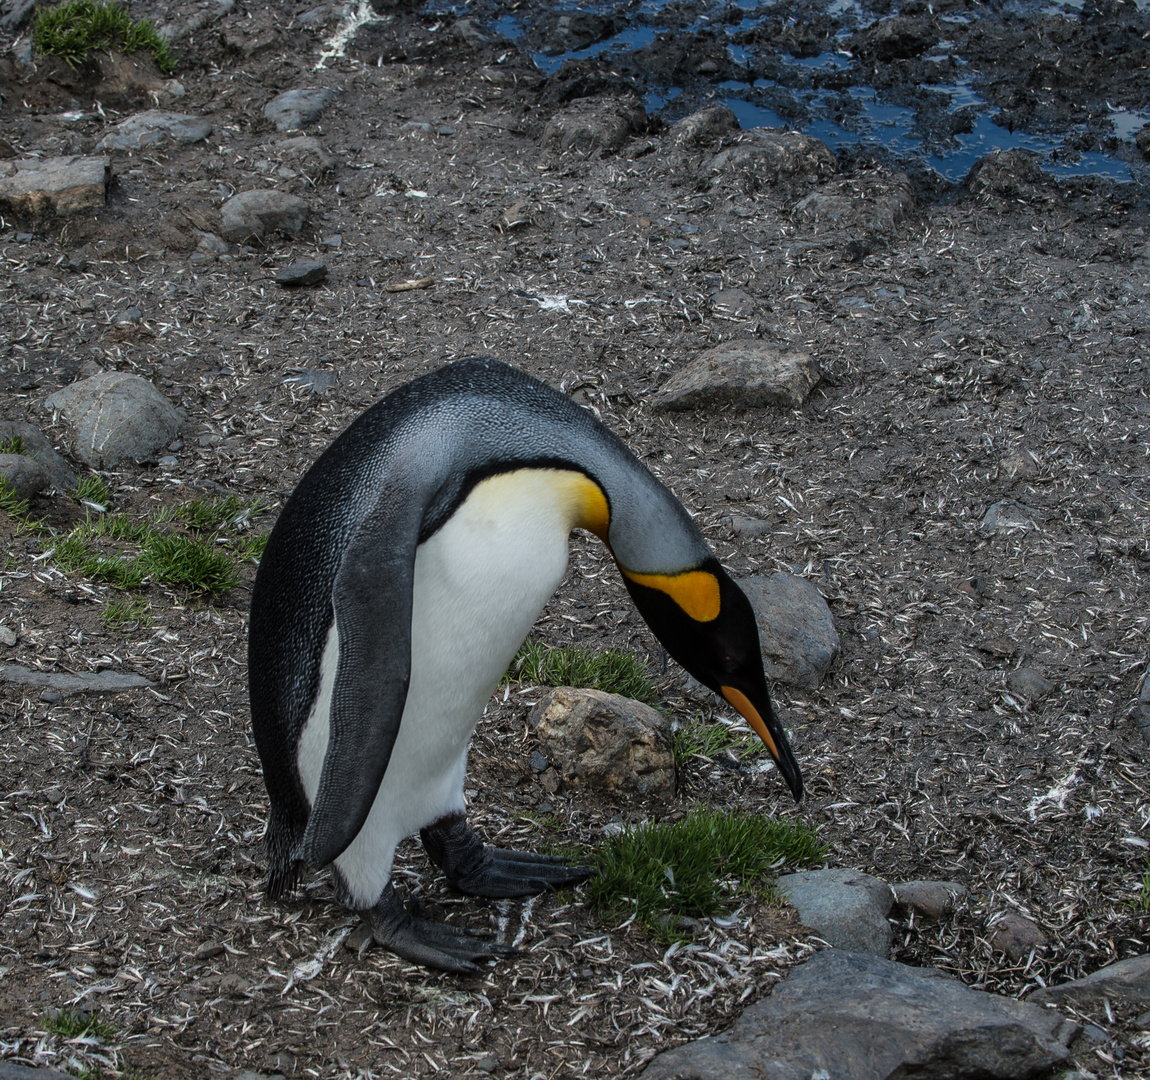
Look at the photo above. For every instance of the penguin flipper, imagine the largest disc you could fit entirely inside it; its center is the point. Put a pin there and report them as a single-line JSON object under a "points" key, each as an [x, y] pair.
{"points": [[497, 874], [434, 945], [372, 602]]}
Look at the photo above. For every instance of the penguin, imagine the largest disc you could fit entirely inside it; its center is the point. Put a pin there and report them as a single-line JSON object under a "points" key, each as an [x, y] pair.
{"points": [[404, 572]]}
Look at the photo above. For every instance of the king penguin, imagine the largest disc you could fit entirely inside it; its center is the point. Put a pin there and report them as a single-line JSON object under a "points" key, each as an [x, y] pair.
{"points": [[404, 572]]}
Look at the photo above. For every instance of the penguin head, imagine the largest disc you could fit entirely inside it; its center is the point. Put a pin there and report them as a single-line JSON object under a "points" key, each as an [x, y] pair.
{"points": [[705, 621]]}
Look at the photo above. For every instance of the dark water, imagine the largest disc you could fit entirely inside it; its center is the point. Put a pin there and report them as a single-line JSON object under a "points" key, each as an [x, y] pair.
{"points": [[795, 95]]}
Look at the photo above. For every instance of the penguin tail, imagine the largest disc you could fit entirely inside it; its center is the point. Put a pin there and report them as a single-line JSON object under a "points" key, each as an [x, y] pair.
{"points": [[284, 868]]}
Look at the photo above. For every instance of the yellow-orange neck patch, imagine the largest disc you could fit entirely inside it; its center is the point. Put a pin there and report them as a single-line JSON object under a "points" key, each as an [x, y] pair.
{"points": [[588, 503], [696, 591]]}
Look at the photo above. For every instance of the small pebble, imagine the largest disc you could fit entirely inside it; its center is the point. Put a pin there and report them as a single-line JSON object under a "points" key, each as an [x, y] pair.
{"points": [[538, 761], [305, 272], [7, 635], [168, 462], [209, 949], [487, 1064], [51, 696], [54, 795]]}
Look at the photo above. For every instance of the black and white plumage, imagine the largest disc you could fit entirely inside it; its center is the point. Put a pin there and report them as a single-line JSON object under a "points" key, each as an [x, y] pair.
{"points": [[403, 574]]}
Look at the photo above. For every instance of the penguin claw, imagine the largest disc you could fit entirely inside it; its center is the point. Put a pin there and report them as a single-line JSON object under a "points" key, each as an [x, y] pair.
{"points": [[494, 873], [434, 945]]}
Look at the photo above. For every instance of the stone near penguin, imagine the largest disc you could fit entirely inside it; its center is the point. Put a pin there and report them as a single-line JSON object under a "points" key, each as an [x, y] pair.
{"points": [[849, 1015], [255, 215], [116, 416], [929, 899], [295, 109], [606, 741], [591, 126], [301, 272], [153, 128], [25, 475], [746, 374], [846, 908], [876, 204], [1028, 683], [9, 1070], [796, 629], [36, 188], [1007, 516], [764, 158], [705, 126], [1016, 935], [96, 682]]}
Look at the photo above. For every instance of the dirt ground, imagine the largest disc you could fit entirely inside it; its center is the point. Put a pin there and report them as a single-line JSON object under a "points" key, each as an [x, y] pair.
{"points": [[990, 349]]}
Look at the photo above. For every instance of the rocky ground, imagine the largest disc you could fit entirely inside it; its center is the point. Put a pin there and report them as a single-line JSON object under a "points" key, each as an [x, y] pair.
{"points": [[986, 348]]}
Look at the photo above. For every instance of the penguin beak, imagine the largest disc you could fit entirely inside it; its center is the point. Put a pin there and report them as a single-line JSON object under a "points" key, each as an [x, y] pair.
{"points": [[772, 734]]}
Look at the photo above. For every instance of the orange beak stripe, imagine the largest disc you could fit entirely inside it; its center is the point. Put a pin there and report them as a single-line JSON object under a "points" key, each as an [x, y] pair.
{"points": [[748, 712]]}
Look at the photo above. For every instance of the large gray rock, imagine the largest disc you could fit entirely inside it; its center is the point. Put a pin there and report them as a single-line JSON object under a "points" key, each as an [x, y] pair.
{"points": [[25, 475], [36, 445], [1126, 981], [153, 127], [876, 204], [764, 158], [705, 126], [900, 38], [62, 186], [846, 908], [842, 1015], [295, 109], [9, 1070], [1009, 174], [594, 126], [116, 416], [606, 741], [748, 374], [260, 213], [796, 629]]}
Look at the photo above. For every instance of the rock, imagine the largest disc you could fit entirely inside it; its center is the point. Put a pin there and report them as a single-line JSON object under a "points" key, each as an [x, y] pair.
{"points": [[570, 31], [930, 899], [764, 158], [796, 629], [39, 188], [1142, 141], [1017, 936], [846, 908], [9, 1070], [901, 38], [742, 525], [732, 303], [24, 474], [294, 109], [1127, 981], [1019, 465], [303, 272], [705, 126], [306, 152], [748, 374], [202, 14], [15, 13], [1007, 516], [257, 214], [1010, 174], [591, 125], [258, 1076], [99, 682], [874, 203], [154, 127], [210, 949], [1028, 683], [488, 1063], [7, 635], [606, 741], [843, 1015], [116, 416]]}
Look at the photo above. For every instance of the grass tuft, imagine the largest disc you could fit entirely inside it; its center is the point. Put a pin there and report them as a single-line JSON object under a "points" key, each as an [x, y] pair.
{"points": [[93, 488], [189, 563], [72, 1024], [612, 671], [214, 513], [11, 500], [125, 614], [706, 738], [75, 28], [661, 872], [13, 444]]}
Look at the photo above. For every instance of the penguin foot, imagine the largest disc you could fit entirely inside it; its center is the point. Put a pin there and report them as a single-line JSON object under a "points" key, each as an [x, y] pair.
{"points": [[434, 945], [472, 868]]}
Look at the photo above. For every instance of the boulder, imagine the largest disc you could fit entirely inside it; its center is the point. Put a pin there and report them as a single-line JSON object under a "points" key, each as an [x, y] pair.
{"points": [[901, 38], [796, 629], [848, 1015], [876, 204], [96, 682], [116, 416], [36, 445], [594, 126], [606, 741], [295, 109], [846, 908], [1127, 981], [260, 213], [764, 158], [301, 272], [154, 127], [747, 374], [1008, 174], [705, 126], [37, 188], [24, 474]]}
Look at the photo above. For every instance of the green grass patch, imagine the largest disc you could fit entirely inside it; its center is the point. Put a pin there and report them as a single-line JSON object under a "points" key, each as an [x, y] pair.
{"points": [[74, 29], [11, 500], [706, 738], [125, 614], [72, 1024], [189, 563], [250, 548], [694, 867], [13, 444], [612, 671], [215, 513], [94, 489]]}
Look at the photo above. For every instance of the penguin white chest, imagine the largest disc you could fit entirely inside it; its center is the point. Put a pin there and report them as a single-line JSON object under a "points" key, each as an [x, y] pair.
{"points": [[479, 584]]}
